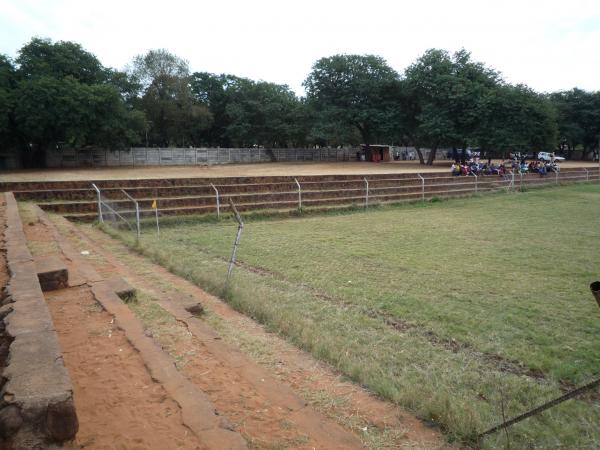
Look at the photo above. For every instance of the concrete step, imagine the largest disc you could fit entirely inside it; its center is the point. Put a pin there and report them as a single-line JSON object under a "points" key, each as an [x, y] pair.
{"points": [[52, 273]]}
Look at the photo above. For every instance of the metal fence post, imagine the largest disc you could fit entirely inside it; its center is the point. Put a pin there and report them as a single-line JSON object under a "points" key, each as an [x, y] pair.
{"points": [[367, 192], [137, 211], [476, 186], [556, 177], [422, 187], [521, 182], [218, 201], [137, 218], [236, 243], [587, 175], [299, 195], [100, 218]]}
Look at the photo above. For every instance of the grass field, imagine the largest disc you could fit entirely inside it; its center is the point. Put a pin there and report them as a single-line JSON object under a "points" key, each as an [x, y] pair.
{"points": [[454, 309]]}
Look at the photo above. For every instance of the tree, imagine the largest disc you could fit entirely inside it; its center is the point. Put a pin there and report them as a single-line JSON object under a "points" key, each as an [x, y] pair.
{"points": [[578, 115], [354, 91], [52, 112], [127, 85], [250, 112], [261, 113], [515, 118], [174, 116], [442, 94], [7, 80], [213, 91], [61, 95], [43, 58], [158, 64]]}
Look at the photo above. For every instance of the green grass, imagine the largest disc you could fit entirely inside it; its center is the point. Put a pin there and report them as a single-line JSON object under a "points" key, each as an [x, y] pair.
{"points": [[446, 308]]}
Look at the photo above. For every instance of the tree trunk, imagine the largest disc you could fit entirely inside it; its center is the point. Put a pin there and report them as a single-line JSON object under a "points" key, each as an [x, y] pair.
{"points": [[431, 157], [365, 133], [455, 155], [420, 153]]}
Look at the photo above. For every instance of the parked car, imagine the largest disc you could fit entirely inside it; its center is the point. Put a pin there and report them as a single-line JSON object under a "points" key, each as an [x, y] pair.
{"points": [[546, 156]]}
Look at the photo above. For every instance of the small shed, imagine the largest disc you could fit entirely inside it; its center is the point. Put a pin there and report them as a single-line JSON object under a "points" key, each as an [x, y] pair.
{"points": [[376, 152]]}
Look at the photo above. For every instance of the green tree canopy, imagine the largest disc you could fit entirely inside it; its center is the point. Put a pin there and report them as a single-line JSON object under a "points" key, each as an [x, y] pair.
{"points": [[443, 93], [515, 118], [213, 91], [174, 116], [261, 113], [248, 112], [578, 119], [354, 91], [60, 94], [7, 81], [44, 58]]}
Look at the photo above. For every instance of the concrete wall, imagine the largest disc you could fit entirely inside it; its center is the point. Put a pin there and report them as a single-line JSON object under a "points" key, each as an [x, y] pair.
{"points": [[36, 395], [191, 156]]}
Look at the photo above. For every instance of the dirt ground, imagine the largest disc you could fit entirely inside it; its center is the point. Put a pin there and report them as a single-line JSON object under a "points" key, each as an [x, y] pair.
{"points": [[235, 170], [118, 404]]}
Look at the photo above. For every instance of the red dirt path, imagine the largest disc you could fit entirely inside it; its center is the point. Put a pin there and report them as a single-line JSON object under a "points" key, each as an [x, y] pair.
{"points": [[118, 404]]}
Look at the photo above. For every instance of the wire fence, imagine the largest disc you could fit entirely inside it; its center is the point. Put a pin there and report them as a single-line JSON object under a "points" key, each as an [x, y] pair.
{"points": [[141, 208], [120, 210]]}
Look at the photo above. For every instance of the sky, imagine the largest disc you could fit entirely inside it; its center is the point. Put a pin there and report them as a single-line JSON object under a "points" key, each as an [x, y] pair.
{"points": [[549, 45]]}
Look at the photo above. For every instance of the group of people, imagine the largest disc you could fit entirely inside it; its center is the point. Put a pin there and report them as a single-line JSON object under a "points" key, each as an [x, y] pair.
{"points": [[540, 167], [475, 167]]}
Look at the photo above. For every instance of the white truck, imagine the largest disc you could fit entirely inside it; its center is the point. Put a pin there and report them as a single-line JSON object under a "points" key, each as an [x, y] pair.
{"points": [[545, 156]]}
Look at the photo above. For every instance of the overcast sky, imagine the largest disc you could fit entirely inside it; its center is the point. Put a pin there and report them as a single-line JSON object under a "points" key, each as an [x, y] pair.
{"points": [[549, 45]]}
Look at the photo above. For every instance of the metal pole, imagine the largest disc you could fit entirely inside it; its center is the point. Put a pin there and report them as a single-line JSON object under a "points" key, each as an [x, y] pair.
{"points": [[367, 193], [218, 201], [238, 235], [100, 218], [587, 175], [157, 226], [299, 195], [521, 181], [556, 177], [137, 218], [475, 183], [422, 187], [137, 211]]}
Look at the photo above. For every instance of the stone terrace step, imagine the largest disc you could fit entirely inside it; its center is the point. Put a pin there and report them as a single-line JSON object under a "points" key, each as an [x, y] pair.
{"points": [[200, 181], [273, 196], [78, 200]]}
